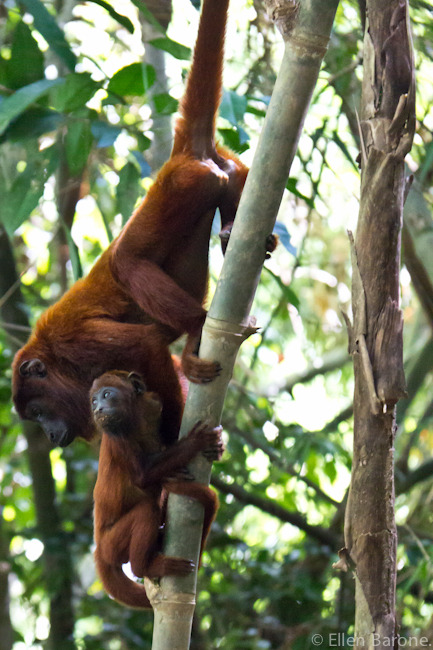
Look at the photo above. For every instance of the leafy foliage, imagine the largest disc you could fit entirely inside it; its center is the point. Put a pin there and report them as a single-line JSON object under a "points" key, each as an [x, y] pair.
{"points": [[75, 97]]}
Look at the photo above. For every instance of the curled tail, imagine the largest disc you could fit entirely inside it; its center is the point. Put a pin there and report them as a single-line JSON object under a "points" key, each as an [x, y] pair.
{"points": [[120, 587], [195, 130]]}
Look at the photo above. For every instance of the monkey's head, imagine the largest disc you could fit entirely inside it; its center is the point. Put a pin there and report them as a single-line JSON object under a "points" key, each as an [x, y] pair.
{"points": [[44, 393], [120, 403]]}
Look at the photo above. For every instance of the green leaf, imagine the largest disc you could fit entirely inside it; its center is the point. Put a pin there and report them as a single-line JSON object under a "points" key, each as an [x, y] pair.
{"points": [[74, 254], [73, 94], [165, 104], [23, 196], [150, 18], [339, 142], [177, 50], [133, 79], [78, 144], [427, 163], [128, 190], [143, 142], [291, 186], [46, 24], [17, 103], [233, 107], [26, 64], [122, 20], [232, 139], [105, 134], [33, 123]]}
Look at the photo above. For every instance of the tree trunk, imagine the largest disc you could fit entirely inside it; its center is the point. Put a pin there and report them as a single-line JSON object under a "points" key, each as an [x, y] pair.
{"points": [[162, 142], [375, 340], [56, 557], [306, 28]]}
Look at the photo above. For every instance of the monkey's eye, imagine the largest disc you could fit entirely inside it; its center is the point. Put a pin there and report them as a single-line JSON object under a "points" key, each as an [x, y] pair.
{"points": [[106, 394], [36, 413], [94, 401]]}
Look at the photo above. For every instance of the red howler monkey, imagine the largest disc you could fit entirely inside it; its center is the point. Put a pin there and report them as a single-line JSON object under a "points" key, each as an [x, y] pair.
{"points": [[147, 288], [134, 477]]}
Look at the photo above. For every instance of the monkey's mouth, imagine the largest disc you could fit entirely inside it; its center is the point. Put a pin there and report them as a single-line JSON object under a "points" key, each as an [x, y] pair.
{"points": [[111, 421]]}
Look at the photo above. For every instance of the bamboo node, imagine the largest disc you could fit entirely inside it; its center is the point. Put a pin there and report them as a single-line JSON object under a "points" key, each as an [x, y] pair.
{"points": [[238, 331], [283, 13], [160, 597]]}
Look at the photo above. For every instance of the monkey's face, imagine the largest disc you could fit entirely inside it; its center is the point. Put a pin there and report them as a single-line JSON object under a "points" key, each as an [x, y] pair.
{"points": [[52, 399], [119, 401], [111, 408]]}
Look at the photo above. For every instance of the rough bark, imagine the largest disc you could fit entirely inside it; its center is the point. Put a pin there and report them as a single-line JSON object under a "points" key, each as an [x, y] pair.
{"points": [[387, 125], [306, 30]]}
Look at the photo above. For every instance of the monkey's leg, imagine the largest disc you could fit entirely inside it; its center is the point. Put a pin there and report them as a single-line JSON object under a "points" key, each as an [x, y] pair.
{"points": [[145, 542]]}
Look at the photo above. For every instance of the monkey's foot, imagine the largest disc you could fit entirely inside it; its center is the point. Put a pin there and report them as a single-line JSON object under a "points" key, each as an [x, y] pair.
{"points": [[200, 371], [214, 452], [180, 474]]}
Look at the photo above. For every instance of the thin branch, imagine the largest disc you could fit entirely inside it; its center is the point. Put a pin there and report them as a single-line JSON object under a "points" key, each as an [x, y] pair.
{"points": [[323, 535], [283, 465], [421, 473]]}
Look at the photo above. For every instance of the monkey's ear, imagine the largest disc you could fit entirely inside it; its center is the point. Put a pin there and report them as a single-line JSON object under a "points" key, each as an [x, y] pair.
{"points": [[137, 382], [33, 368]]}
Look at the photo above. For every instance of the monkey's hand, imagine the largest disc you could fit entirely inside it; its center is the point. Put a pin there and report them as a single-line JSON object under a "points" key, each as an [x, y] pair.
{"points": [[271, 240], [180, 474], [209, 440]]}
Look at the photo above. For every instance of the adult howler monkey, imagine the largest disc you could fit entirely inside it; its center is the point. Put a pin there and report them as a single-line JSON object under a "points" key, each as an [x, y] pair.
{"points": [[135, 476], [148, 287]]}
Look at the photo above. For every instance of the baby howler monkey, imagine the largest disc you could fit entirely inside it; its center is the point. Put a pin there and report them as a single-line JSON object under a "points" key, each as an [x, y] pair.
{"points": [[135, 476]]}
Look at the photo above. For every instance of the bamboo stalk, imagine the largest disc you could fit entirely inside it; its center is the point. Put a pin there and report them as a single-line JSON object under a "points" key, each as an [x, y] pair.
{"points": [[306, 28]]}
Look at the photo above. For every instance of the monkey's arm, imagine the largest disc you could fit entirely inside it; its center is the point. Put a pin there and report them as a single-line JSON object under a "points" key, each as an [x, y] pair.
{"points": [[162, 464], [159, 295]]}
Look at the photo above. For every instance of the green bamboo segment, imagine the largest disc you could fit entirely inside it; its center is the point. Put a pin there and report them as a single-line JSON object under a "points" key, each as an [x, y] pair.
{"points": [[227, 323]]}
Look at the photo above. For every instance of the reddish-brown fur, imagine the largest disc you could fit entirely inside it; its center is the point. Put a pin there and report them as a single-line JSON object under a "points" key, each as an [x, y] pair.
{"points": [[148, 287], [134, 477]]}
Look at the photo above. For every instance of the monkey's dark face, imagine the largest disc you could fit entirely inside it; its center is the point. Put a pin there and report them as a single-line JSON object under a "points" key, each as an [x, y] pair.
{"points": [[117, 399], [54, 401], [110, 409], [58, 430]]}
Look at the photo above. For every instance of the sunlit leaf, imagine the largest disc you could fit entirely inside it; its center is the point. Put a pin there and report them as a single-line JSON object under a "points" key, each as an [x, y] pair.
{"points": [[133, 79], [177, 50], [291, 186], [26, 64], [165, 104], [76, 90], [128, 189], [46, 24], [122, 20], [23, 196], [150, 18]]}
